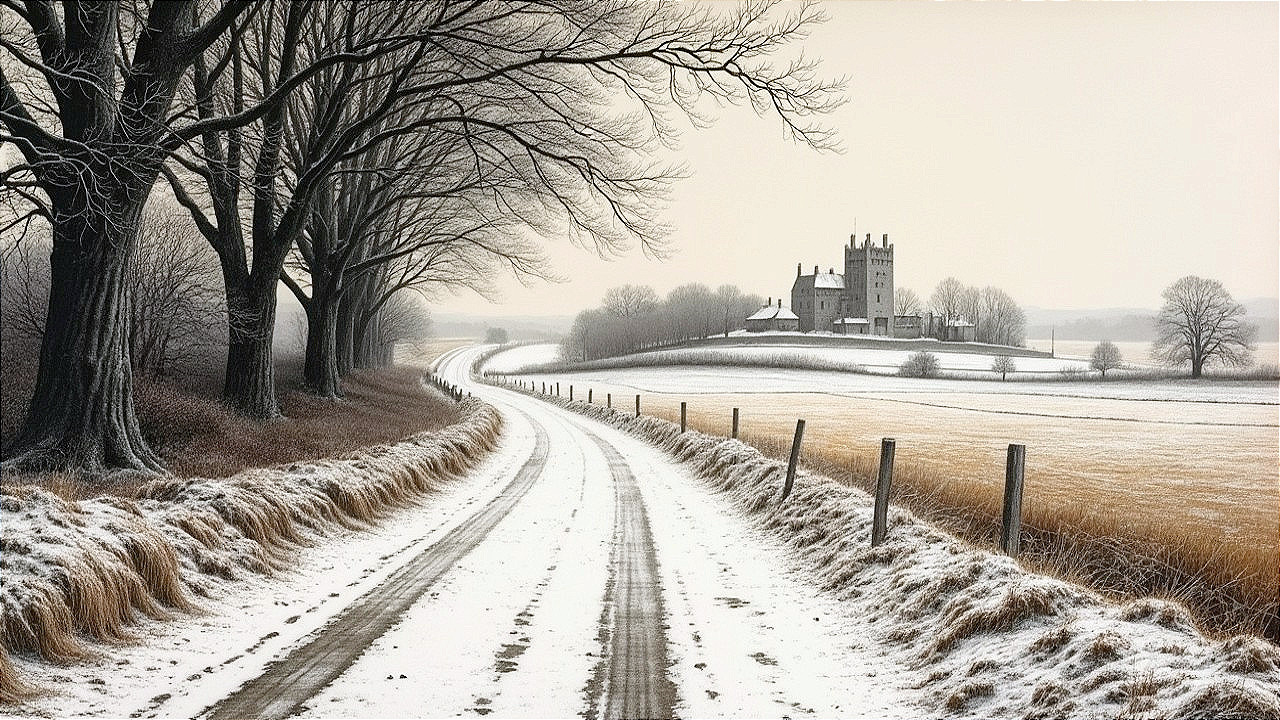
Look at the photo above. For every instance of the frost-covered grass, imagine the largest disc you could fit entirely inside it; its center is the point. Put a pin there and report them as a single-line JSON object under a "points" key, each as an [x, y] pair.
{"points": [[1137, 488], [995, 639], [77, 570], [1120, 506]]}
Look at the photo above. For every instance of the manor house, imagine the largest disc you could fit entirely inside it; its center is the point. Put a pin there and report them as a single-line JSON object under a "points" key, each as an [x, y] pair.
{"points": [[859, 301]]}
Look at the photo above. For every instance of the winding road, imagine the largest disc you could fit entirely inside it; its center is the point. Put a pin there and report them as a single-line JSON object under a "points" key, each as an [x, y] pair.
{"points": [[595, 579]]}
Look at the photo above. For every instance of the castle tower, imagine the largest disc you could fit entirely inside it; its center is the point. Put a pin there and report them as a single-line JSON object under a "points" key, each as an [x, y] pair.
{"points": [[868, 278]]}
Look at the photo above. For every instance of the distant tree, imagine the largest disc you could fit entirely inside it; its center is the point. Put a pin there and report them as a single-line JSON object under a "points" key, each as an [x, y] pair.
{"points": [[906, 302], [920, 364], [1004, 365], [998, 318], [495, 336], [947, 299], [1106, 356], [1200, 323], [175, 296], [630, 300]]}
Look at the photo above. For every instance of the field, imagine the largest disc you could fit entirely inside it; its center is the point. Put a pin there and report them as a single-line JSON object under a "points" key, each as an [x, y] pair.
{"points": [[1164, 487], [1267, 353]]}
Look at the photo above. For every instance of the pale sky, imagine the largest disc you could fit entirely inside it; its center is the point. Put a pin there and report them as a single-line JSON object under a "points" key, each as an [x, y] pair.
{"points": [[1077, 155]]}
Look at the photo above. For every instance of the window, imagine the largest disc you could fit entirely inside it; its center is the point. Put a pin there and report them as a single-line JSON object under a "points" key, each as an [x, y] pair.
{"points": [[823, 304]]}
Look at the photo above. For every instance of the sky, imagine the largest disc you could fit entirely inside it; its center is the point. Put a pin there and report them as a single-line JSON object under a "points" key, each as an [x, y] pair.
{"points": [[1077, 155]]}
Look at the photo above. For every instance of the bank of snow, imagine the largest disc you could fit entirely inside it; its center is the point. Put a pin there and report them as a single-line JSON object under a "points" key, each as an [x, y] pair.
{"points": [[995, 640], [86, 570]]}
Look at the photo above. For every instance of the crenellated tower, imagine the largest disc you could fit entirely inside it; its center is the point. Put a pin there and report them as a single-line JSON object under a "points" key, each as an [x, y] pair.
{"points": [[868, 278]]}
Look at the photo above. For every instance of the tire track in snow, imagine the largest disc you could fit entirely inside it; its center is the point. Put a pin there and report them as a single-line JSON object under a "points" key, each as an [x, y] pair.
{"points": [[636, 683], [290, 681]]}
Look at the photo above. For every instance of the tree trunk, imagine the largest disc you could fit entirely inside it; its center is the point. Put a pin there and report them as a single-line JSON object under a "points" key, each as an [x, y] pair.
{"points": [[81, 414], [346, 330], [250, 382], [320, 370], [1197, 366]]}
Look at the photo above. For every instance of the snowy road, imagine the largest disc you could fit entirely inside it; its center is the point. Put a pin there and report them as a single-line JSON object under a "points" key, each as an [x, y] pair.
{"points": [[599, 580]]}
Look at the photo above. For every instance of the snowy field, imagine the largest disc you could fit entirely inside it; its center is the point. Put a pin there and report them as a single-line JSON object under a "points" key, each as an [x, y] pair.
{"points": [[865, 360], [1193, 460]]}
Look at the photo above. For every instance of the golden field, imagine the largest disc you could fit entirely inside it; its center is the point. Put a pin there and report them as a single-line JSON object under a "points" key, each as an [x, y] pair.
{"points": [[1178, 499]]}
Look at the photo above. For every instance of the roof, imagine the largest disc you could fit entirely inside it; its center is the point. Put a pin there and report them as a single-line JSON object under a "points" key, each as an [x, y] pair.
{"points": [[773, 312], [829, 280], [821, 281]]}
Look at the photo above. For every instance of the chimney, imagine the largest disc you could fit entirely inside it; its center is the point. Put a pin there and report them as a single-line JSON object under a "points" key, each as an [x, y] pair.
{"points": [[885, 241], [797, 275], [768, 302], [853, 239], [868, 243], [779, 303], [815, 269], [831, 271]]}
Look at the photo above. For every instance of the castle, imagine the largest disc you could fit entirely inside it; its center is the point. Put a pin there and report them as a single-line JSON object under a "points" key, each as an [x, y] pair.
{"points": [[858, 302]]}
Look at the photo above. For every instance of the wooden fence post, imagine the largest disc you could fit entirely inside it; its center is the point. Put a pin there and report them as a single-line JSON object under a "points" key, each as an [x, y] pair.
{"points": [[589, 392], [795, 457], [637, 406], [608, 398], [734, 434], [683, 407], [880, 518], [557, 389], [1011, 525], [570, 393], [544, 387]]}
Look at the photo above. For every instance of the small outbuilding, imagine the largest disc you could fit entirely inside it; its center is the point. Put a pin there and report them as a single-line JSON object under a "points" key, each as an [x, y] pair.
{"points": [[851, 326], [773, 318]]}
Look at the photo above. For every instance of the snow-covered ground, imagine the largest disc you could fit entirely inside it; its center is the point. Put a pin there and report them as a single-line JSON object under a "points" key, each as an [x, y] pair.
{"points": [[765, 609], [178, 667], [695, 379]]}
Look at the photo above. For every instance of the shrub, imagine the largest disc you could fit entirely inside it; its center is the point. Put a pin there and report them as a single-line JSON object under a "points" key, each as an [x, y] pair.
{"points": [[920, 364]]}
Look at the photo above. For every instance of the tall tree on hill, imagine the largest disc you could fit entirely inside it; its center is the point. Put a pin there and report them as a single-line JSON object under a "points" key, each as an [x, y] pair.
{"points": [[1199, 324]]}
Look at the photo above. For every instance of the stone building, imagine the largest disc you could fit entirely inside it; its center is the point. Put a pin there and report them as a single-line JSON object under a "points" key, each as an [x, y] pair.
{"points": [[773, 318], [858, 302]]}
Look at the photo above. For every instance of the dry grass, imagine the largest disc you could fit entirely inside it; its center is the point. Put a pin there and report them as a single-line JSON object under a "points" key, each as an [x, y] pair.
{"points": [[1118, 497], [197, 436], [86, 569]]}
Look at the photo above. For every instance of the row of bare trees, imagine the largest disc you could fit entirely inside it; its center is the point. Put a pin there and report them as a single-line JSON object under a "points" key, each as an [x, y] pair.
{"points": [[996, 316], [351, 150], [632, 318]]}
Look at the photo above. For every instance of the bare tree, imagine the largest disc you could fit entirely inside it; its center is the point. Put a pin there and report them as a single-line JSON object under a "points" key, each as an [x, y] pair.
{"points": [[1199, 324], [948, 300], [24, 288], [999, 319], [1004, 365], [906, 302], [1106, 356], [175, 294], [85, 95], [630, 300]]}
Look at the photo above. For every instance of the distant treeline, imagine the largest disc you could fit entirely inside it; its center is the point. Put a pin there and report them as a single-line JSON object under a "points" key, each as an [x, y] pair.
{"points": [[631, 318], [1132, 328]]}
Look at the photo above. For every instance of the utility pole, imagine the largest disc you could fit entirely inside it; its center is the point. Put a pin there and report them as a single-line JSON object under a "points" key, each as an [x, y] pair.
{"points": [[1053, 331]]}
